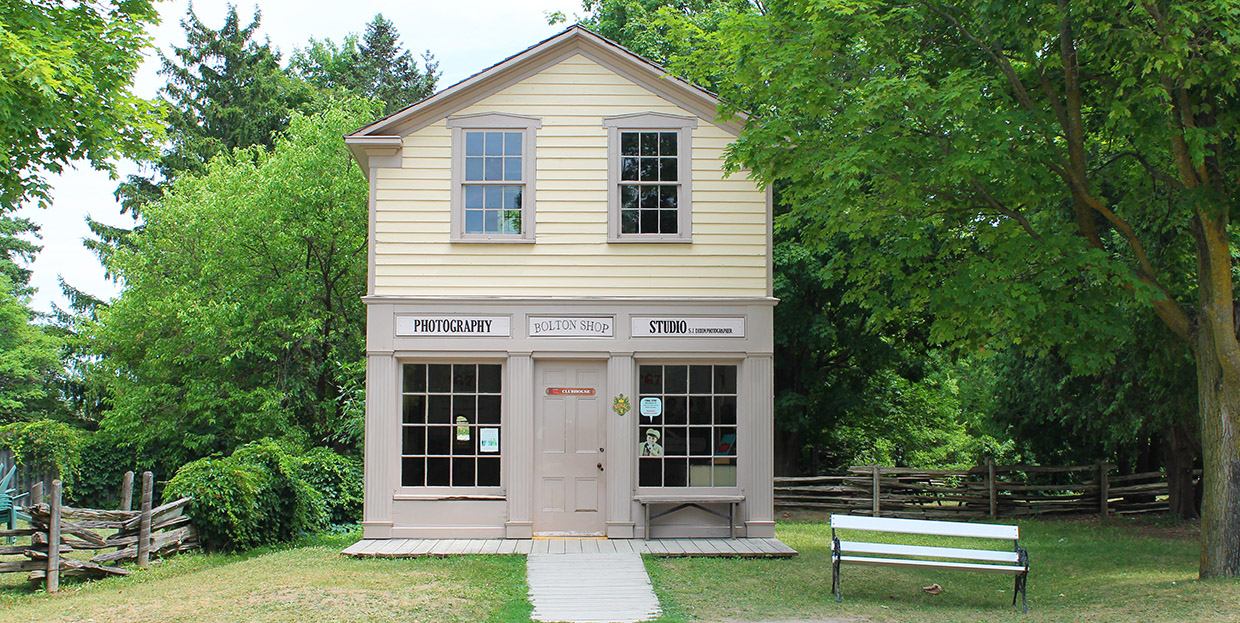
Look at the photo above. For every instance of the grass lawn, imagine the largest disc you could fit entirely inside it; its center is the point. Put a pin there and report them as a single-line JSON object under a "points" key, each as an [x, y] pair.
{"points": [[1081, 570], [307, 582]]}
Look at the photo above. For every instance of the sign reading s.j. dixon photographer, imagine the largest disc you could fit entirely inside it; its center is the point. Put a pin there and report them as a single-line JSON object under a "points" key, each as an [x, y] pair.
{"points": [[670, 326], [453, 326]]}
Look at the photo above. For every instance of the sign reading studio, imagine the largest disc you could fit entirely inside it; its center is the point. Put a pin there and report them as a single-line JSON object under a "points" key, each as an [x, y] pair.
{"points": [[688, 327]]}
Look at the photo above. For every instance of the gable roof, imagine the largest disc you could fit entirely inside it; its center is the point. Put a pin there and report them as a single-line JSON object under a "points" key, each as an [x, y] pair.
{"points": [[574, 40]]}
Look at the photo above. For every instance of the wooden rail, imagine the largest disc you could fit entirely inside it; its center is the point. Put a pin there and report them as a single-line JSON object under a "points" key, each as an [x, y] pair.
{"points": [[135, 536], [983, 492]]}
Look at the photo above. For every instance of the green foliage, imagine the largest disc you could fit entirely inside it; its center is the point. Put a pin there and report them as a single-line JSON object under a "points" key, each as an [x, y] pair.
{"points": [[255, 497], [45, 446], [105, 459], [227, 494], [225, 91], [338, 479], [243, 291], [376, 67], [30, 364], [65, 74]]}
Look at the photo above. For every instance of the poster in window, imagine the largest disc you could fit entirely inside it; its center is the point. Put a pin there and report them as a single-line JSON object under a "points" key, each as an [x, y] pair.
{"points": [[488, 440]]}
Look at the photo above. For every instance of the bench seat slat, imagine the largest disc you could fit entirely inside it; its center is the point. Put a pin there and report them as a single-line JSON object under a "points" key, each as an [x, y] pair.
{"points": [[851, 547], [923, 526], [933, 564]]}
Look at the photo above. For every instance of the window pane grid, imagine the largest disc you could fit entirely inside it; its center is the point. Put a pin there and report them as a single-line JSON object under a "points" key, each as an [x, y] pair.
{"points": [[692, 442], [650, 205], [494, 160], [450, 431]]}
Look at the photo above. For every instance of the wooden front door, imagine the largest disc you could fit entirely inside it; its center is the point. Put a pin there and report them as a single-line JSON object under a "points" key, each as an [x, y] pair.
{"points": [[569, 439]]}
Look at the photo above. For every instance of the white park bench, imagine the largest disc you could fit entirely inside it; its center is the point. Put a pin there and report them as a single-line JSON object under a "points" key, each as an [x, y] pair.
{"points": [[1015, 562]]}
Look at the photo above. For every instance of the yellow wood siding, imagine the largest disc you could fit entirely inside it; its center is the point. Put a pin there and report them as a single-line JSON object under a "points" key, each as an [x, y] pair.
{"points": [[571, 255]]}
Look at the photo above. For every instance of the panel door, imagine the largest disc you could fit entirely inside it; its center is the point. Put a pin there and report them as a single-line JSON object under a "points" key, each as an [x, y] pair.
{"points": [[569, 446]]}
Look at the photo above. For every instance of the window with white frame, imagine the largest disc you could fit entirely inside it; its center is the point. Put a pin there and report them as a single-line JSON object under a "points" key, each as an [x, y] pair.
{"points": [[451, 425], [649, 177], [493, 177]]}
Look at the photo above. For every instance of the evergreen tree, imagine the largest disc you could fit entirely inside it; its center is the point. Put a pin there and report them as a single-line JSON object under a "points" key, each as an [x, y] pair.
{"points": [[374, 67], [225, 91]]}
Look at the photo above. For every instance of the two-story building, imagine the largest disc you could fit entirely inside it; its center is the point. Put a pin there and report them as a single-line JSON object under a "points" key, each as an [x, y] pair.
{"points": [[569, 306]]}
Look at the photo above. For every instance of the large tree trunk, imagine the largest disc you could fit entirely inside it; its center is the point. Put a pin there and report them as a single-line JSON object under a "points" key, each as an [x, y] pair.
{"points": [[1179, 455], [1218, 388], [787, 453]]}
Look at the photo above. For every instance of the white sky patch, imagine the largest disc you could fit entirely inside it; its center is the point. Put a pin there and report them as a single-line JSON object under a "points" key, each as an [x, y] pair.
{"points": [[465, 36]]}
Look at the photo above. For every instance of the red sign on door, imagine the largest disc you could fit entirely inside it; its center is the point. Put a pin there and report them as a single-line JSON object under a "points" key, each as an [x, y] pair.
{"points": [[570, 391]]}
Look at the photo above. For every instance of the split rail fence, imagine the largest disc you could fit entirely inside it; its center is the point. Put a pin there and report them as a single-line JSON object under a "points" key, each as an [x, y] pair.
{"points": [[136, 535], [987, 491]]}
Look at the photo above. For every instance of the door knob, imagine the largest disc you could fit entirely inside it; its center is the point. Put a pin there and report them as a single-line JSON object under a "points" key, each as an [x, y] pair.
{"points": [[600, 467]]}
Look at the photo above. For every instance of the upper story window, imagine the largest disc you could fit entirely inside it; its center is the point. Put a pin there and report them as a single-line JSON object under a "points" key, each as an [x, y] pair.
{"points": [[493, 177], [649, 192]]}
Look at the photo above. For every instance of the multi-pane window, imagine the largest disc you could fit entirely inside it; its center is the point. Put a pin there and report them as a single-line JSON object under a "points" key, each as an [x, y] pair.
{"points": [[649, 183], [649, 177], [493, 177], [687, 426], [493, 162], [451, 425]]}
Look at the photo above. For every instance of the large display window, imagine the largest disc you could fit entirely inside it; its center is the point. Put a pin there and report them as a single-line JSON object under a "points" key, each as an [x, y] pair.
{"points": [[451, 425], [687, 426]]}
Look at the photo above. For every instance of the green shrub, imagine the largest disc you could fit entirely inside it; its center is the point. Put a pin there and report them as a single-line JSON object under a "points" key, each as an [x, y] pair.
{"points": [[292, 505], [104, 463], [226, 494], [47, 446], [255, 497], [339, 480]]}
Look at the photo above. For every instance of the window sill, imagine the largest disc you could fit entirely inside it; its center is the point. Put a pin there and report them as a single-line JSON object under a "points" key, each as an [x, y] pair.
{"points": [[652, 240], [421, 497], [492, 241]]}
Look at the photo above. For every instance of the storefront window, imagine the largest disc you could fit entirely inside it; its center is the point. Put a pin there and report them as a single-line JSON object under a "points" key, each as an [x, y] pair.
{"points": [[687, 426], [451, 425]]}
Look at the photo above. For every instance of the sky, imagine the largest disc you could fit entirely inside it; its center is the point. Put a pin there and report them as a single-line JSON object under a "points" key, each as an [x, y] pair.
{"points": [[464, 35]]}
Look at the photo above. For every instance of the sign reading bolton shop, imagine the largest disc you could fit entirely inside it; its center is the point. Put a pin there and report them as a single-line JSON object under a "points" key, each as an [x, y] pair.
{"points": [[570, 326], [666, 326], [495, 326]]}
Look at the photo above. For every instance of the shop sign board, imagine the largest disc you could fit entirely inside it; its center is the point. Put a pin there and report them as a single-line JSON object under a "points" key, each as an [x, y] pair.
{"points": [[672, 326], [571, 326], [453, 326]]}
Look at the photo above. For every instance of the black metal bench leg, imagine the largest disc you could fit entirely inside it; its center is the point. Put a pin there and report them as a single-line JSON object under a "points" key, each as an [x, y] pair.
{"points": [[835, 568]]}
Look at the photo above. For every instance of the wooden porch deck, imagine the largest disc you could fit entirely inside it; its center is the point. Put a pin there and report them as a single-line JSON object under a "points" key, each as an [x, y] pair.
{"points": [[668, 548]]}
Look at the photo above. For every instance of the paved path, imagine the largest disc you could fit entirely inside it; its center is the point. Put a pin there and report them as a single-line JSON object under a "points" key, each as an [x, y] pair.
{"points": [[588, 588]]}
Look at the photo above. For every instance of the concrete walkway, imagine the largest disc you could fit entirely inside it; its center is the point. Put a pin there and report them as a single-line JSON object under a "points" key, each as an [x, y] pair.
{"points": [[590, 588]]}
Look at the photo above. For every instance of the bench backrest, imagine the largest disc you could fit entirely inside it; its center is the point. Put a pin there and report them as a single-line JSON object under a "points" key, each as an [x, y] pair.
{"points": [[922, 526]]}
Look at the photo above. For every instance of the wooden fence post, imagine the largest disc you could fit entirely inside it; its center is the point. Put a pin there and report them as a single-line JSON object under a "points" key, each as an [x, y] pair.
{"points": [[53, 541], [877, 489], [990, 484], [127, 491], [144, 525], [1104, 493], [36, 493]]}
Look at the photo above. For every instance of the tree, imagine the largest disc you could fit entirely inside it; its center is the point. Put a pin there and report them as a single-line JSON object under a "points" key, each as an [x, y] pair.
{"points": [[65, 74], [225, 90], [242, 310], [377, 67], [1017, 170]]}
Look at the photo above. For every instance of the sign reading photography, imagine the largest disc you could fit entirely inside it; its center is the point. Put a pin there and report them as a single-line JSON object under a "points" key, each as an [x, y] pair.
{"points": [[452, 326], [570, 326], [688, 327]]}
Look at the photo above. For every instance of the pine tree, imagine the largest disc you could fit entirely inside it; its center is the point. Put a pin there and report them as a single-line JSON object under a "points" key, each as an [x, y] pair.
{"points": [[376, 67], [225, 90]]}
